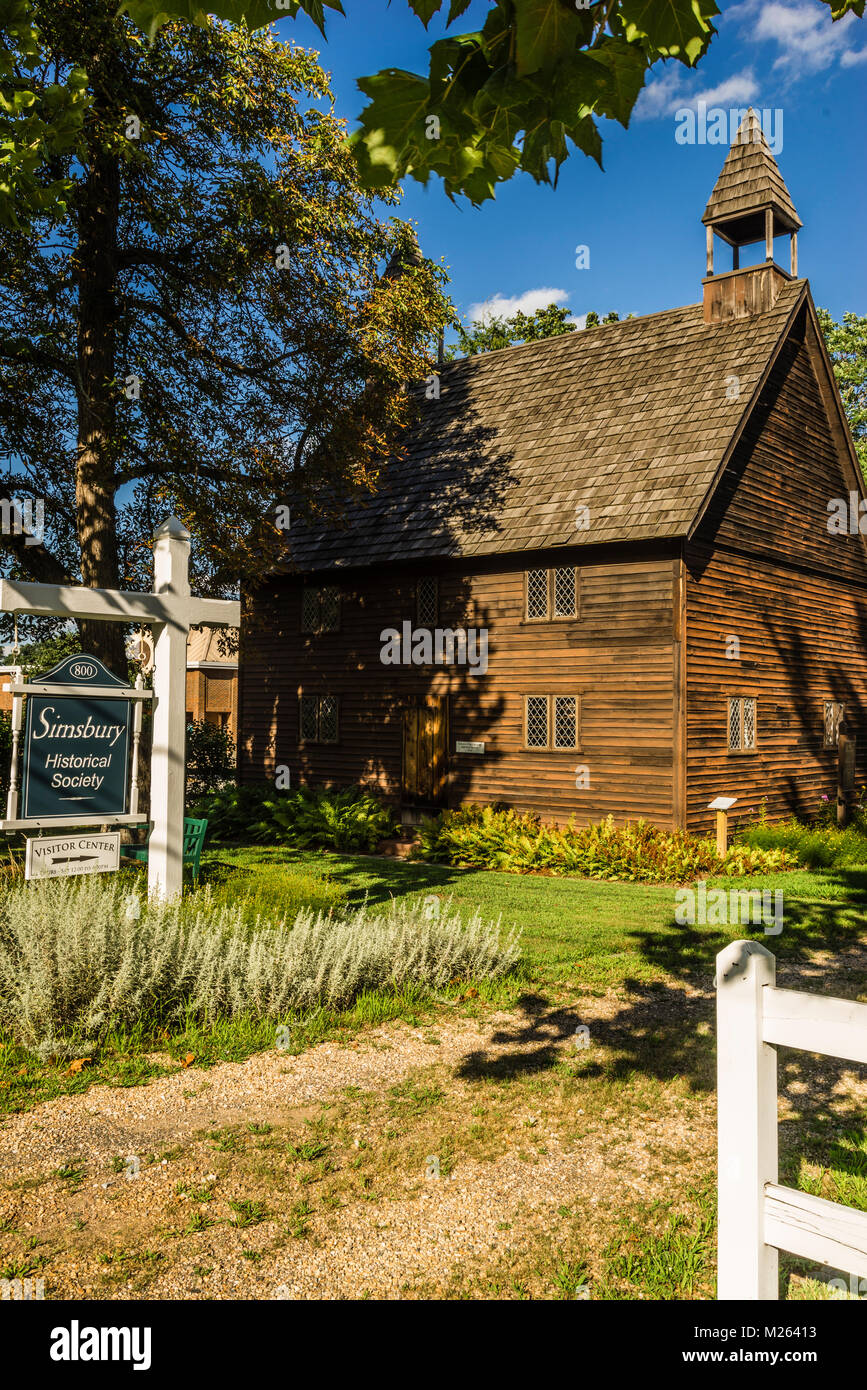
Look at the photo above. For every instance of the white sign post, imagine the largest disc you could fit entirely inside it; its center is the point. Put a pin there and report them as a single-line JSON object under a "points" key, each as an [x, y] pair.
{"points": [[171, 611]]}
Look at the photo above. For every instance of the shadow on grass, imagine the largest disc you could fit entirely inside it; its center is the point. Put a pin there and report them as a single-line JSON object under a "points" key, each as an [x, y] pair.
{"points": [[377, 878], [666, 1029], [535, 1040]]}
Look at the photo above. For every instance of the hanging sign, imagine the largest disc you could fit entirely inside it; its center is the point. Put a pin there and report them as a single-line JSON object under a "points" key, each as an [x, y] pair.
{"points": [[61, 856], [76, 746]]}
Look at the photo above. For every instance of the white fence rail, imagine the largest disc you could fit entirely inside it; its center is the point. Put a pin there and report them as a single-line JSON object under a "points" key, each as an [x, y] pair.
{"points": [[756, 1217]]}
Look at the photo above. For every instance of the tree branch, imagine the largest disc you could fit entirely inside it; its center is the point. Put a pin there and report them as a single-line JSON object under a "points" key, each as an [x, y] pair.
{"points": [[199, 349], [36, 561], [37, 357]]}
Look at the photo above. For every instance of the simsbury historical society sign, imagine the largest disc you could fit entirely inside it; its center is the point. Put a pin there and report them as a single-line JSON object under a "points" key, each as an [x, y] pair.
{"points": [[76, 746]]}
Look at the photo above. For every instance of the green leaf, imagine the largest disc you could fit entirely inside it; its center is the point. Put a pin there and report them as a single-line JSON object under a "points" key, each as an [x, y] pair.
{"points": [[150, 15], [399, 102], [625, 67], [545, 30], [673, 28], [425, 9], [458, 64]]}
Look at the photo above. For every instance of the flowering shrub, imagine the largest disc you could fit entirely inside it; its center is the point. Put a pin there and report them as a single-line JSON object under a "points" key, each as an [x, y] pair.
{"points": [[482, 837]]}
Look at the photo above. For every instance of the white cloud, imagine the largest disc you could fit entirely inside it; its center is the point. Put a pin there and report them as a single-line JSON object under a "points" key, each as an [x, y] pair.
{"points": [[738, 90], [659, 98], [674, 91], [501, 306], [807, 38]]}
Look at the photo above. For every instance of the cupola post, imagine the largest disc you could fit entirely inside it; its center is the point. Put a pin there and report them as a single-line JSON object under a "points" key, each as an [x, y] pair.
{"points": [[750, 203]]}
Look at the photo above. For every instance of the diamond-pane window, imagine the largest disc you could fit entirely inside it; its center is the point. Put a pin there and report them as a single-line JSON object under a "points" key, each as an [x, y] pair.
{"points": [[742, 723], [328, 719], [329, 609], [537, 721], [830, 740], [426, 604], [309, 610], [749, 724], [320, 609], [565, 721], [564, 592], [734, 723], [309, 718], [537, 593], [318, 718]]}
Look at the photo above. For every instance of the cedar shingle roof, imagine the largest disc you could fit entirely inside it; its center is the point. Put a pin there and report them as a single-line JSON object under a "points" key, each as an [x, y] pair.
{"points": [[750, 179], [630, 419]]}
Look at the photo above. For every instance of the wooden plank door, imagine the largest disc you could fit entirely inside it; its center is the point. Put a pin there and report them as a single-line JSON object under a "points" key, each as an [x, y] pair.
{"points": [[425, 748]]}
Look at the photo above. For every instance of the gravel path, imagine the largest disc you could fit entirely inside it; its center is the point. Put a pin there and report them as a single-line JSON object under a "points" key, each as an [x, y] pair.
{"points": [[104, 1236]]}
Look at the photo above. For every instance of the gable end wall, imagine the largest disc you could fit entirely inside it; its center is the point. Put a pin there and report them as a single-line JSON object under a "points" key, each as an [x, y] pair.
{"points": [[764, 570]]}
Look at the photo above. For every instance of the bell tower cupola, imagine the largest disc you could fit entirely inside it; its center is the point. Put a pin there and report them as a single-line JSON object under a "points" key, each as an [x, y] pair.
{"points": [[750, 203]]}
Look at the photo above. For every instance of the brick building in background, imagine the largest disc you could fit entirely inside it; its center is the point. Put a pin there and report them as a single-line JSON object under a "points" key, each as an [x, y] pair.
{"points": [[212, 680]]}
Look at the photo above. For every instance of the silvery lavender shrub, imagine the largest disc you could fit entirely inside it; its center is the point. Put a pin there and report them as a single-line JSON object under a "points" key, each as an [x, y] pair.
{"points": [[80, 957]]}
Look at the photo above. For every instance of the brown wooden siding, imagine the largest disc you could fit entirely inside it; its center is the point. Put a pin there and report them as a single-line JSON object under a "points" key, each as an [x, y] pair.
{"points": [[646, 652], [764, 568], [618, 655], [772, 500]]}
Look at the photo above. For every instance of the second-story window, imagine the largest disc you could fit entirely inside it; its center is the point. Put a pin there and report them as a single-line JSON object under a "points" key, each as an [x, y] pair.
{"points": [[426, 602], [551, 593], [320, 608]]}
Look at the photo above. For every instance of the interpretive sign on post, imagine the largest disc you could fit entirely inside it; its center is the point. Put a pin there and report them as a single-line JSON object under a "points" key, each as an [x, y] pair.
{"points": [[61, 856], [76, 746], [169, 611]]}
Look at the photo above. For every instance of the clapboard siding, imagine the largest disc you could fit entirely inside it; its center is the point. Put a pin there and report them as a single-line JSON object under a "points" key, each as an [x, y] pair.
{"points": [[646, 652], [617, 655], [773, 498], [764, 569]]}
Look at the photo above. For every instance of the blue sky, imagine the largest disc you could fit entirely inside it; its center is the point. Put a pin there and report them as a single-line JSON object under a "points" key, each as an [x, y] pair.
{"points": [[641, 217]]}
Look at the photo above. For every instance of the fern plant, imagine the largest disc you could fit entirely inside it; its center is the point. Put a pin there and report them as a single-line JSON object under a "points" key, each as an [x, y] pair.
{"points": [[345, 819], [490, 838]]}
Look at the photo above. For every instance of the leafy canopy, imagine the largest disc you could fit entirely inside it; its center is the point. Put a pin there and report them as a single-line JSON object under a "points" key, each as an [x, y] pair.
{"points": [[519, 93], [208, 328], [491, 334], [847, 347]]}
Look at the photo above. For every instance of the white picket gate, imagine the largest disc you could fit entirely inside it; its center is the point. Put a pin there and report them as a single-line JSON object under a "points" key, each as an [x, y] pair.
{"points": [[756, 1216]]}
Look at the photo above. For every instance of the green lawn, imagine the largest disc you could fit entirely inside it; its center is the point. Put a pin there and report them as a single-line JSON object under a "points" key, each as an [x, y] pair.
{"points": [[582, 931], [580, 937], [610, 952]]}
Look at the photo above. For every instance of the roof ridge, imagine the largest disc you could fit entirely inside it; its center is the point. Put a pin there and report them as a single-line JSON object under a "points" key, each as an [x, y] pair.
{"points": [[634, 431], [571, 337]]}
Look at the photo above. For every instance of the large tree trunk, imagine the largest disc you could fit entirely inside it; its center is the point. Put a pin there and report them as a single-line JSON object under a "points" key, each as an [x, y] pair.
{"points": [[96, 517]]}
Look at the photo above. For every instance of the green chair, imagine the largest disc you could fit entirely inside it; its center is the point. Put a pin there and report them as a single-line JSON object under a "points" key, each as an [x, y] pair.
{"points": [[194, 839]]}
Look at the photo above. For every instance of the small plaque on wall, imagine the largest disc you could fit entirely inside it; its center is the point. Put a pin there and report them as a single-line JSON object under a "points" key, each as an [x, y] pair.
{"points": [[469, 747]]}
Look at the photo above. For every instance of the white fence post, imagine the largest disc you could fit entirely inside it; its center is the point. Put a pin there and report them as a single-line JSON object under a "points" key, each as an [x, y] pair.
{"points": [[747, 1123]]}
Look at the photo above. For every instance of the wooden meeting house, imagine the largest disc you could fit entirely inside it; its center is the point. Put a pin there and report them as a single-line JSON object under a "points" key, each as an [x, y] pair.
{"points": [[640, 518]]}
